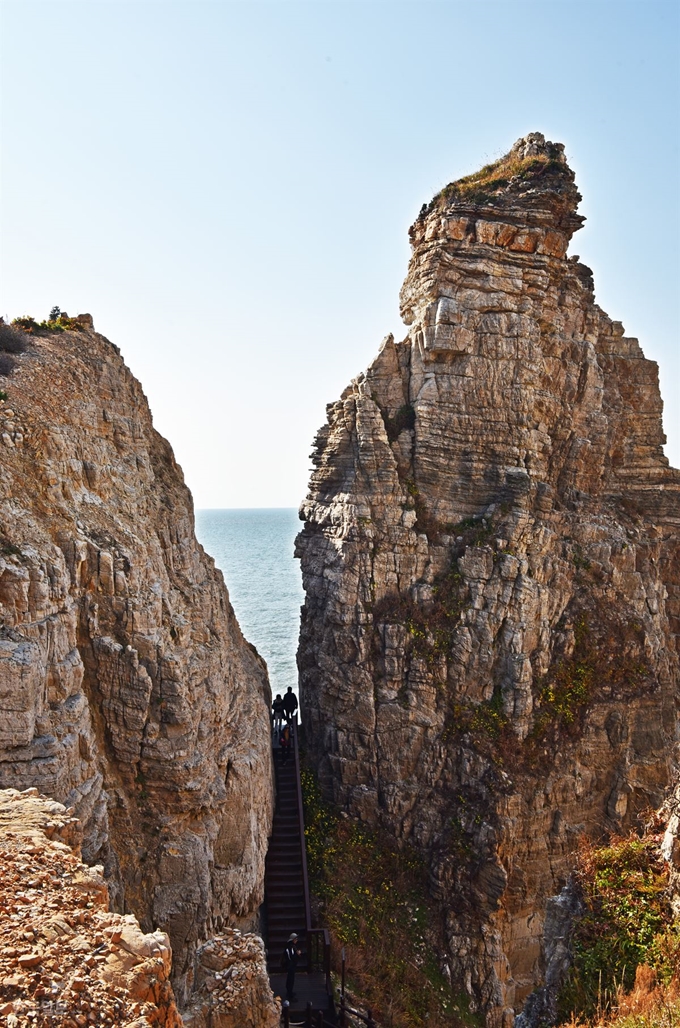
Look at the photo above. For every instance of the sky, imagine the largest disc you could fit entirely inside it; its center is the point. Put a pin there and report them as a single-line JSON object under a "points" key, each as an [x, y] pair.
{"points": [[227, 188]]}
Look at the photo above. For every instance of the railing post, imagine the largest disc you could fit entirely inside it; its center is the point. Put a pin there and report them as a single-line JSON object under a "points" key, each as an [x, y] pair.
{"points": [[327, 959], [342, 1010], [369, 1019], [342, 979], [286, 1015], [319, 1019], [308, 1015]]}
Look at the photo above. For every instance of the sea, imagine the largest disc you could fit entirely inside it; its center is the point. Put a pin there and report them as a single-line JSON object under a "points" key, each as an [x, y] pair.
{"points": [[254, 551]]}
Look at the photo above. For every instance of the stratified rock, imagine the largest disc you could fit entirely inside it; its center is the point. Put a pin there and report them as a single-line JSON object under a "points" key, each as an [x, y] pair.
{"points": [[126, 688], [488, 657]]}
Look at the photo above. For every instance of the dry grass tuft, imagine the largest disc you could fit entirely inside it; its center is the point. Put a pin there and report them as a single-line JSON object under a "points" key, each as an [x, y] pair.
{"points": [[649, 1004], [490, 180]]}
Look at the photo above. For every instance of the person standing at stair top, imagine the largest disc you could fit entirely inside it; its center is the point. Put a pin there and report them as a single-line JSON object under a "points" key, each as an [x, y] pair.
{"points": [[291, 955], [290, 703], [278, 711]]}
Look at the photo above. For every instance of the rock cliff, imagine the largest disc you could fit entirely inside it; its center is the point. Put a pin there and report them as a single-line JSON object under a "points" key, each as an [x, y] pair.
{"points": [[488, 656], [126, 688]]}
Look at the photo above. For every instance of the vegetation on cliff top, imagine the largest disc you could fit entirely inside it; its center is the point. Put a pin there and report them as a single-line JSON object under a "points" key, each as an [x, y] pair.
{"points": [[57, 322], [488, 182]]}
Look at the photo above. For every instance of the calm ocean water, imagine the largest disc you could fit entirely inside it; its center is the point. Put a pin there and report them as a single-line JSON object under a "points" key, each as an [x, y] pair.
{"points": [[254, 551]]}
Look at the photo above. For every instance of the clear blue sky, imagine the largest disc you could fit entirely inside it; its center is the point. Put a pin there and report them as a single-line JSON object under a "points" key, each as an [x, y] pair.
{"points": [[227, 188]]}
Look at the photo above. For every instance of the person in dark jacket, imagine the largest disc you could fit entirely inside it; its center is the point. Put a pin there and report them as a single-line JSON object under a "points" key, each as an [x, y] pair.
{"points": [[291, 955], [278, 711], [290, 703]]}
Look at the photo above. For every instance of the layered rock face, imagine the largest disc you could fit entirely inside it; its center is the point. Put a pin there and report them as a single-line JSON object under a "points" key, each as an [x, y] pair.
{"points": [[488, 657], [126, 688]]}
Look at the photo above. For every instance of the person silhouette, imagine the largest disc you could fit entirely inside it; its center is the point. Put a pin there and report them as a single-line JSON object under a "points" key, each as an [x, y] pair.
{"points": [[290, 703], [291, 955], [278, 711]]}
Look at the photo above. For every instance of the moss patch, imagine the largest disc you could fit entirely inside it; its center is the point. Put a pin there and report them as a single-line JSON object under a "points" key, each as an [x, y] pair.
{"points": [[432, 629], [608, 658]]}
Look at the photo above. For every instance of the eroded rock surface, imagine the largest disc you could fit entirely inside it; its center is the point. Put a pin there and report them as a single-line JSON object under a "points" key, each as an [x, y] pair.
{"points": [[64, 958], [126, 688], [232, 986], [488, 657]]}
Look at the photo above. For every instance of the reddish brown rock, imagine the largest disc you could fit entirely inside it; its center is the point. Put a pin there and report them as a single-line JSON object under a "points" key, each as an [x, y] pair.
{"points": [[85, 963], [82, 961]]}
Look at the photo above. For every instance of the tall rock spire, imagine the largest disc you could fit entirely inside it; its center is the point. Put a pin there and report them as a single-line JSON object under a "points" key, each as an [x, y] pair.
{"points": [[488, 656]]}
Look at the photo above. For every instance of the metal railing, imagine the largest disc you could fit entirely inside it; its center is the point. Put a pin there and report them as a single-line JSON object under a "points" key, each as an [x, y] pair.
{"points": [[319, 953], [317, 1020], [301, 818], [346, 1013], [318, 940]]}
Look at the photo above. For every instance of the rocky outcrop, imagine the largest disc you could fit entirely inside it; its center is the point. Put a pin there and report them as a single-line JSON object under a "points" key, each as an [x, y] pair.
{"points": [[126, 688], [64, 958], [232, 985], [488, 657]]}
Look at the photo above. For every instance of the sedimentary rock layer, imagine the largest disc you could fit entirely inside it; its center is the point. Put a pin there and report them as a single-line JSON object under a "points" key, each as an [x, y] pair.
{"points": [[488, 658], [126, 688]]}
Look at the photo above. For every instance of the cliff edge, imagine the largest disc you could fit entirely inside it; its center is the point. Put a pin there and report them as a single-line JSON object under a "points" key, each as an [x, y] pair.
{"points": [[488, 656], [126, 688]]}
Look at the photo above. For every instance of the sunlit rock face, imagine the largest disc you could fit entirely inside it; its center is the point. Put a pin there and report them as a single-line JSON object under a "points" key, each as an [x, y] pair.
{"points": [[488, 659], [126, 688]]}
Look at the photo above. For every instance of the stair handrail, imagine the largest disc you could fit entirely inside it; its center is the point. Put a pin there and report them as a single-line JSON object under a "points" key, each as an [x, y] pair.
{"points": [[346, 1011], [321, 935], [301, 815]]}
